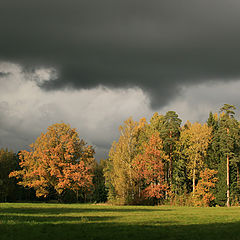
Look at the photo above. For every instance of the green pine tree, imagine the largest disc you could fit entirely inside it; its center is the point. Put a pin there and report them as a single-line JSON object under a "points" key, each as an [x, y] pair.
{"points": [[228, 145], [170, 134]]}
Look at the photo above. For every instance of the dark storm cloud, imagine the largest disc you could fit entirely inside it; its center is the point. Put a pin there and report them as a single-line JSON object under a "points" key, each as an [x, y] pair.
{"points": [[156, 45], [4, 74]]}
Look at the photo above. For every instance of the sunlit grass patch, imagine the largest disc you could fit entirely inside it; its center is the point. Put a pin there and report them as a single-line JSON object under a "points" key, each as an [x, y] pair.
{"points": [[92, 221]]}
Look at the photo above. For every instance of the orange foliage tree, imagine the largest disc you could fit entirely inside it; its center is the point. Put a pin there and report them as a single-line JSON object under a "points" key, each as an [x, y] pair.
{"points": [[149, 168], [204, 190], [58, 159]]}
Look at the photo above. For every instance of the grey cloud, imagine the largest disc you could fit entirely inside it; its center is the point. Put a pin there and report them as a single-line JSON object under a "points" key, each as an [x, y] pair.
{"points": [[4, 74], [158, 46], [95, 113], [197, 101]]}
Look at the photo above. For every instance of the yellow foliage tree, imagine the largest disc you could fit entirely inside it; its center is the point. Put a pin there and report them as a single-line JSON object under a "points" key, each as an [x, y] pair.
{"points": [[120, 163], [194, 142]]}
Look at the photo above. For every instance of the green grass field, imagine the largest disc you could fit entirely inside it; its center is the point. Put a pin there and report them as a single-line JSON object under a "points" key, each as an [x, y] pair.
{"points": [[41, 221]]}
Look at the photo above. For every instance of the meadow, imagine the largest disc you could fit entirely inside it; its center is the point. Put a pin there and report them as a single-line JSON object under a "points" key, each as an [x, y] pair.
{"points": [[93, 221]]}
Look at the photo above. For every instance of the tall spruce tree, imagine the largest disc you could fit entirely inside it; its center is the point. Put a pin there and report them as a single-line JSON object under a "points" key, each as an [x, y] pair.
{"points": [[170, 134], [213, 154], [228, 146]]}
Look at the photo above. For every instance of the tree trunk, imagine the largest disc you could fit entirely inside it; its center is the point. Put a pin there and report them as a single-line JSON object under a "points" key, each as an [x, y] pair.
{"points": [[166, 173], [228, 192], [77, 196], [131, 182], [170, 159], [59, 197], [237, 175], [194, 177], [170, 167], [194, 174]]}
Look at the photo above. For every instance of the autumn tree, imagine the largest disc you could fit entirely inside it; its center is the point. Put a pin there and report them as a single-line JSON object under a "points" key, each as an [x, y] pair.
{"points": [[194, 141], [149, 169], [119, 170], [204, 191], [57, 160], [168, 127], [155, 125]]}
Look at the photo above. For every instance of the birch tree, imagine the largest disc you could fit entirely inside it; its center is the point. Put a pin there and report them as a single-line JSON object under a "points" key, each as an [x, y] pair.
{"points": [[194, 140]]}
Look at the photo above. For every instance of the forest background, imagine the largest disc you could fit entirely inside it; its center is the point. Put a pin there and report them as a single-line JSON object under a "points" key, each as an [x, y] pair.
{"points": [[158, 162]]}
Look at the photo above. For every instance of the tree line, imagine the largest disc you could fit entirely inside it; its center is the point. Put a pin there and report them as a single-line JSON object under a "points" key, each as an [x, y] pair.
{"points": [[158, 162], [164, 162]]}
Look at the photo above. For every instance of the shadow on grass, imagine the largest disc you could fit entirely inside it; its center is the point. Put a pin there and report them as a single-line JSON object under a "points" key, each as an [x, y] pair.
{"points": [[61, 210], [39, 223], [53, 219], [115, 231]]}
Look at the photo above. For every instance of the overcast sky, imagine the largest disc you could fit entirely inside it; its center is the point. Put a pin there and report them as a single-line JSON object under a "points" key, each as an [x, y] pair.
{"points": [[94, 63]]}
